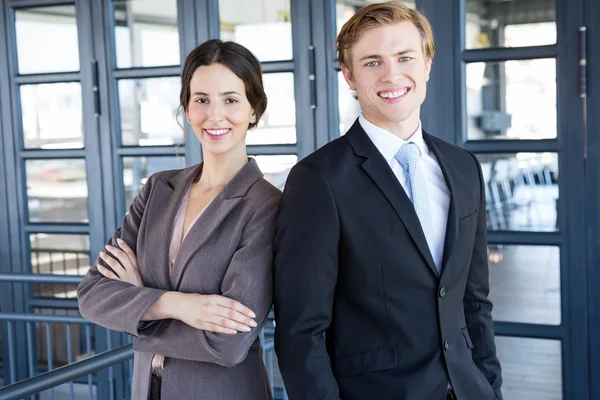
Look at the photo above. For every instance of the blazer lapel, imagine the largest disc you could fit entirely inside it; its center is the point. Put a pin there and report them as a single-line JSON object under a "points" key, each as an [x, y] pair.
{"points": [[214, 215], [382, 175], [449, 176], [166, 199]]}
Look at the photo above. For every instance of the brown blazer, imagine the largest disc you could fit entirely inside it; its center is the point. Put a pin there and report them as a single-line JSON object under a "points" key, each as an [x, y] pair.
{"points": [[227, 252]]}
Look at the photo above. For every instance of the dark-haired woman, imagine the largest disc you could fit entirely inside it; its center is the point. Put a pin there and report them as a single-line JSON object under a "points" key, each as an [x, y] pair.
{"points": [[189, 272]]}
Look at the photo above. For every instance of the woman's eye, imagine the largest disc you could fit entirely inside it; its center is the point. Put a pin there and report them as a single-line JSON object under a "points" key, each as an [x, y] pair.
{"points": [[230, 101], [202, 101]]}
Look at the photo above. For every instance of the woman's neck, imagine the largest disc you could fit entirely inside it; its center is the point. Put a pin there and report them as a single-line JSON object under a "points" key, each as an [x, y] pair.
{"points": [[219, 169]]}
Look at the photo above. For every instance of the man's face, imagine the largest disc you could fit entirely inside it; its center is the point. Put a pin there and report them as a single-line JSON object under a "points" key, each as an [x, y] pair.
{"points": [[389, 73]]}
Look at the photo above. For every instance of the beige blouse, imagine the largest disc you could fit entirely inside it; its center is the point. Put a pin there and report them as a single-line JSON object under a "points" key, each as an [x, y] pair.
{"points": [[178, 237]]}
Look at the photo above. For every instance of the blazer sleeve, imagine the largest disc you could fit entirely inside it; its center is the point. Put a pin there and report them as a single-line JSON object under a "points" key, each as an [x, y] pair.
{"points": [[306, 271], [477, 305], [115, 304], [249, 280]]}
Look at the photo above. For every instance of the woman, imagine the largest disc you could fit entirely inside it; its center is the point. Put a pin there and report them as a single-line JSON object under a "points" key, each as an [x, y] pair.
{"points": [[189, 272]]}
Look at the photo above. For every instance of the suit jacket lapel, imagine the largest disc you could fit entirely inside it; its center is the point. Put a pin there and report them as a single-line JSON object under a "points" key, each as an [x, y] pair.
{"points": [[382, 175], [449, 176], [216, 212], [166, 199]]}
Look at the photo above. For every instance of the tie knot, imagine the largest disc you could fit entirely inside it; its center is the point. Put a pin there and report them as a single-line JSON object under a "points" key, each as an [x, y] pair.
{"points": [[407, 154]]}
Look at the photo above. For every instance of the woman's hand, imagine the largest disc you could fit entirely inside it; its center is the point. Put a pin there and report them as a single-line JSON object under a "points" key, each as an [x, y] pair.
{"points": [[212, 313], [124, 268]]}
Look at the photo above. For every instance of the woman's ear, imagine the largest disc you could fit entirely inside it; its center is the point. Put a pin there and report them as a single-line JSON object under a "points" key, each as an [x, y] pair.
{"points": [[253, 117]]}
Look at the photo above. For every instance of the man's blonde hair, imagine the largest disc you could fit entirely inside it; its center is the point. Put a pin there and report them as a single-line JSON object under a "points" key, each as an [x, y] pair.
{"points": [[381, 14]]}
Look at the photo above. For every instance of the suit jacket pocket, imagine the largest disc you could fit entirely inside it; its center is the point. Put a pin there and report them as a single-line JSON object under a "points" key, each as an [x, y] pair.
{"points": [[468, 221], [367, 361]]}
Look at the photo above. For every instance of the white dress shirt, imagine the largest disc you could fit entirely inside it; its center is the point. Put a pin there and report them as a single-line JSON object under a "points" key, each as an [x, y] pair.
{"points": [[439, 196]]}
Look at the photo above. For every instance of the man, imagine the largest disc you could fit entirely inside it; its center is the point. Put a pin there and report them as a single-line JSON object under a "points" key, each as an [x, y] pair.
{"points": [[381, 275]]}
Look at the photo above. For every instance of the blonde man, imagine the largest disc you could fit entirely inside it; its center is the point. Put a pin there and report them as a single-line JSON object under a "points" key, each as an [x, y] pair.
{"points": [[381, 275]]}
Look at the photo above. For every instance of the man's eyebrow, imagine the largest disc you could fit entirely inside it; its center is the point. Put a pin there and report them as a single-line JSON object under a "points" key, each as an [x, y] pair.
{"points": [[377, 56]]}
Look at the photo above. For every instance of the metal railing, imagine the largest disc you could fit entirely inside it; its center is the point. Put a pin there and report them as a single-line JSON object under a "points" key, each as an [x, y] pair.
{"points": [[67, 373]]}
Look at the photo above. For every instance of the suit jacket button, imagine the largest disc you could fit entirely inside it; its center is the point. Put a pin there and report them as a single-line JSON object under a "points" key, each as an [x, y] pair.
{"points": [[443, 291], [446, 345]]}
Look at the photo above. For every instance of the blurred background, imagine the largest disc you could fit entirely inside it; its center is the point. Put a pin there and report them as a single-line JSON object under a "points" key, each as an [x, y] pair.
{"points": [[88, 111]]}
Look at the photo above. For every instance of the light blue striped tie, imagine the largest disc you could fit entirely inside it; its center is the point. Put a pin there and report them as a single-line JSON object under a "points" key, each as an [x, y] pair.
{"points": [[408, 157]]}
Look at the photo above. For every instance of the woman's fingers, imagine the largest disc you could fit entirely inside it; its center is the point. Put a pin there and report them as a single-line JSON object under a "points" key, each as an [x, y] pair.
{"points": [[106, 272], [112, 263], [130, 254], [228, 323], [235, 316], [120, 255], [234, 305]]}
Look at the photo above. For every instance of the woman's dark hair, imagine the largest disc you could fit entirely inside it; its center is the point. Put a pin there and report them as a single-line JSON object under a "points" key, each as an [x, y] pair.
{"points": [[235, 57]]}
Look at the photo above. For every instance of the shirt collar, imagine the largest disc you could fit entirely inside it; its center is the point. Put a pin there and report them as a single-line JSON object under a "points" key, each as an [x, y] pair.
{"points": [[387, 143]]}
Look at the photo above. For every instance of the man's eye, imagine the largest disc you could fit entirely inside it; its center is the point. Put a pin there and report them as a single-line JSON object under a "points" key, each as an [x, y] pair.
{"points": [[372, 64]]}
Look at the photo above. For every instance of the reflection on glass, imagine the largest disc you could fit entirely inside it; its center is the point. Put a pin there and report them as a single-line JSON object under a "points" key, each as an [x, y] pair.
{"points": [[278, 123], [136, 170], [516, 23], [149, 111], [511, 100], [525, 283], [349, 108], [56, 190], [51, 115], [61, 255], [146, 33], [264, 27], [345, 9], [46, 39], [521, 191], [276, 168], [531, 368]]}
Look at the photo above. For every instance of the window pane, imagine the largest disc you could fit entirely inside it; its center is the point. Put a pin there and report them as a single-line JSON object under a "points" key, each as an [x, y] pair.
{"points": [[51, 116], [136, 170], [521, 191], [56, 190], [146, 33], [349, 108], [509, 23], [60, 255], [345, 9], [511, 100], [276, 168], [278, 123], [264, 27], [47, 39], [531, 368], [148, 111], [525, 283]]}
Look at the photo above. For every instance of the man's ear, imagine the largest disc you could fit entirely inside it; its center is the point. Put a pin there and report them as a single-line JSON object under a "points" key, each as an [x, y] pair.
{"points": [[427, 69], [348, 76]]}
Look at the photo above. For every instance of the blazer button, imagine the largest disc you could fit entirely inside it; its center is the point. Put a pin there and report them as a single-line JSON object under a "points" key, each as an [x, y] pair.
{"points": [[446, 345], [443, 291]]}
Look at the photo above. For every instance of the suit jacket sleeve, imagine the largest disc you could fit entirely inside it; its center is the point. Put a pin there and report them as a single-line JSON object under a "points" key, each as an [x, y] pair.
{"points": [[249, 280], [477, 306], [115, 304], [306, 270]]}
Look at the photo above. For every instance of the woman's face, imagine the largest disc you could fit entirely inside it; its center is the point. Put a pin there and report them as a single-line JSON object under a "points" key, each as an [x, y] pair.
{"points": [[219, 111]]}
